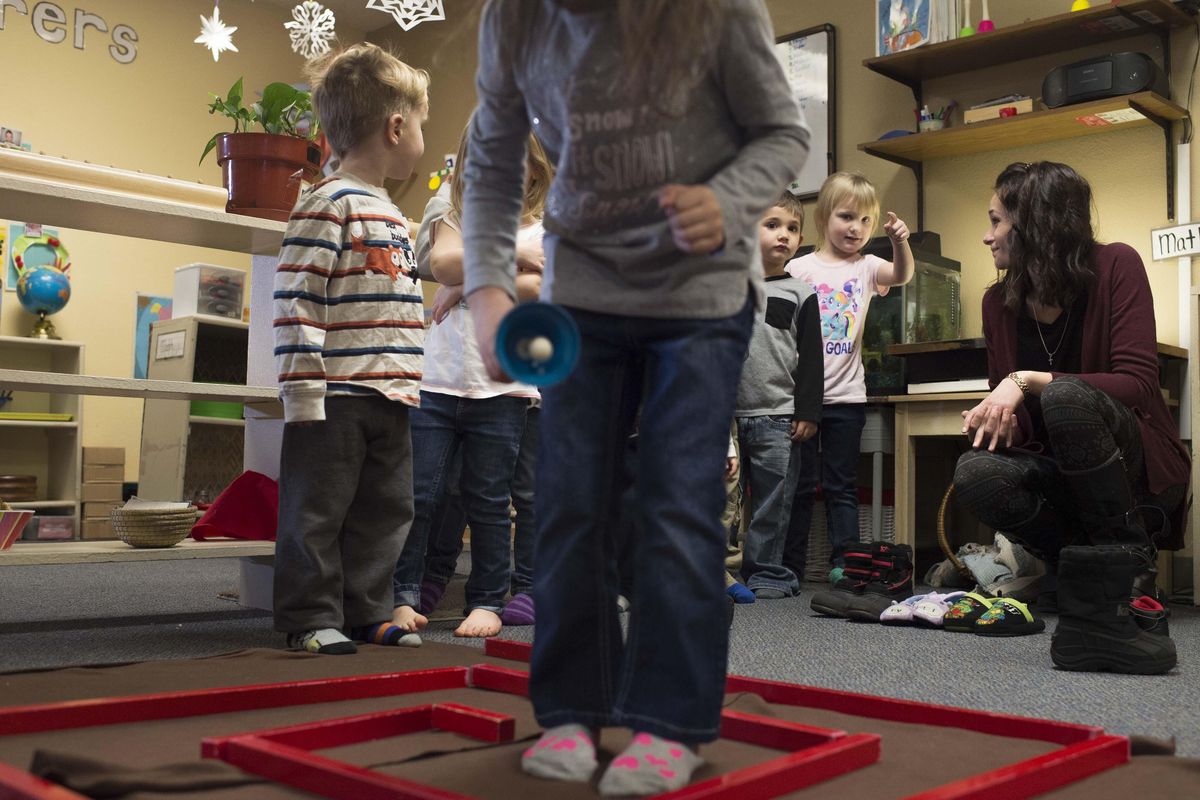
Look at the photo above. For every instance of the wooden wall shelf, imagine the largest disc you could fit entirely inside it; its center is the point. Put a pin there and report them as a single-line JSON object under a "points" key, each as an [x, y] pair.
{"points": [[1028, 40], [1025, 129]]}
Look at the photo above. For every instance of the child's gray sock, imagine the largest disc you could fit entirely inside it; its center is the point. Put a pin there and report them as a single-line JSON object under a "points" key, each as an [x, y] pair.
{"points": [[649, 765], [564, 753]]}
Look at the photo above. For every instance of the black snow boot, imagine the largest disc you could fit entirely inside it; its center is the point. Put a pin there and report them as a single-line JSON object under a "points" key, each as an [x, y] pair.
{"points": [[1096, 628], [855, 575], [891, 581]]}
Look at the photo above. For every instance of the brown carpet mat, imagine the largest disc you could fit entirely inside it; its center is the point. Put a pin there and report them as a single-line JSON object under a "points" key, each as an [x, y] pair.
{"points": [[160, 759]]}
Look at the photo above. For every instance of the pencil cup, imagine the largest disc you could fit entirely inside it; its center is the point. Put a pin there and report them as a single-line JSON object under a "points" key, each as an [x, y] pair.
{"points": [[932, 125]]}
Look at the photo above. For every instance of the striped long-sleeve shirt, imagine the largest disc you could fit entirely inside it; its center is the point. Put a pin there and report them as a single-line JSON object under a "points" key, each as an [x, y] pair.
{"points": [[349, 316]]}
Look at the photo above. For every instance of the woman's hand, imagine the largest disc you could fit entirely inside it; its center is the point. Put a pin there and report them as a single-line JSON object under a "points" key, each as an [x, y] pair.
{"points": [[444, 300], [994, 417]]}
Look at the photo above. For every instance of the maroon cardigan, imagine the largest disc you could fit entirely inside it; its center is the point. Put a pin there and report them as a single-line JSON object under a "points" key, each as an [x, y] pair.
{"points": [[1120, 358]]}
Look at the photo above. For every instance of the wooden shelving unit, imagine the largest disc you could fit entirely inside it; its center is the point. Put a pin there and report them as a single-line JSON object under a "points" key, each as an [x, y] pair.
{"points": [[105, 200], [1121, 19], [1033, 128], [1040, 37]]}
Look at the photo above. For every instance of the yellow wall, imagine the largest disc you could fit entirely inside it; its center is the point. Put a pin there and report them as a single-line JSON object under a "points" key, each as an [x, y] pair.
{"points": [[1126, 170], [147, 115]]}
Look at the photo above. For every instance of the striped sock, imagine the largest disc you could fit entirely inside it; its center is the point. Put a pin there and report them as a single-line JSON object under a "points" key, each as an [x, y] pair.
{"points": [[431, 595], [519, 610], [385, 633]]}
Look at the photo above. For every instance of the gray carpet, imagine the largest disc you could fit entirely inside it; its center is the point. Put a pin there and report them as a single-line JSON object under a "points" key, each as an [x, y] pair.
{"points": [[110, 613]]}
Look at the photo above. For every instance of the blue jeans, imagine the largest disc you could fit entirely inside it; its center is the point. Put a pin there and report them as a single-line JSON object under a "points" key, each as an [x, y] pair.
{"points": [[839, 438], [667, 678], [489, 433], [770, 463], [523, 484], [446, 528]]}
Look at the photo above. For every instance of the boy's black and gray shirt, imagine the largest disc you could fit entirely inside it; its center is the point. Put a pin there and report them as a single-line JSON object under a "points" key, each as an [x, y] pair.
{"points": [[784, 373]]}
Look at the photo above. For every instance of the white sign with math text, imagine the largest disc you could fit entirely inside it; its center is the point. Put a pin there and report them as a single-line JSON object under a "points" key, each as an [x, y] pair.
{"points": [[1176, 242]]}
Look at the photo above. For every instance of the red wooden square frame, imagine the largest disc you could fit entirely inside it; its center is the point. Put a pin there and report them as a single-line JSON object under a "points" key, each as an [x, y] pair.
{"points": [[812, 751]]}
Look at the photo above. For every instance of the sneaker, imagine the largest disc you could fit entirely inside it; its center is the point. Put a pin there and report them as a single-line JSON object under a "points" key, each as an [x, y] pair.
{"points": [[325, 641]]}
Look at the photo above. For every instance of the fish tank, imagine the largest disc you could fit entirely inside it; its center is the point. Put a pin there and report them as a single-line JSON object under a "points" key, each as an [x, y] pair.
{"points": [[926, 309]]}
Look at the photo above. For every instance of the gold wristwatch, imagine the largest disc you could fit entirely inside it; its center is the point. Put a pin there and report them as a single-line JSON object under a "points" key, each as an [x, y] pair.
{"points": [[1016, 378]]}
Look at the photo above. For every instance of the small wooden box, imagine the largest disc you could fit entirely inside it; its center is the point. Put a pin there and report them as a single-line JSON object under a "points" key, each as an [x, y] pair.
{"points": [[104, 455], [93, 473], [97, 529], [108, 492]]}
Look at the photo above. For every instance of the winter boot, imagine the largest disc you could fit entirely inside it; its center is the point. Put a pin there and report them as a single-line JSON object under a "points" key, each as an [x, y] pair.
{"points": [[855, 576], [1105, 501], [1096, 629], [891, 581]]}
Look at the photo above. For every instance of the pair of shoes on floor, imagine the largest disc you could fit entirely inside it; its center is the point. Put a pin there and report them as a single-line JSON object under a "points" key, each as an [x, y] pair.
{"points": [[921, 609], [992, 616], [876, 574]]}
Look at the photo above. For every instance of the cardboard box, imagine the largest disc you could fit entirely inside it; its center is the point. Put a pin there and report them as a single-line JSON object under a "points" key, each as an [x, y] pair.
{"points": [[208, 289], [97, 529], [93, 473], [99, 510], [104, 455], [108, 492], [993, 112]]}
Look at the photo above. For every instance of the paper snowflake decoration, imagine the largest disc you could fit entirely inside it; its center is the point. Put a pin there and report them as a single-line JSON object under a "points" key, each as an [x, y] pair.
{"points": [[215, 34], [410, 13], [311, 29]]}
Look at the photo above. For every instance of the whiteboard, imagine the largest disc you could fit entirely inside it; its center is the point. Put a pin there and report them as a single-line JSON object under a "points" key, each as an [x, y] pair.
{"points": [[807, 57]]}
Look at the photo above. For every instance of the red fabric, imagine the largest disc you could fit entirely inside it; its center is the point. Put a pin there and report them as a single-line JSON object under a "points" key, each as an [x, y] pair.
{"points": [[1120, 358], [247, 509]]}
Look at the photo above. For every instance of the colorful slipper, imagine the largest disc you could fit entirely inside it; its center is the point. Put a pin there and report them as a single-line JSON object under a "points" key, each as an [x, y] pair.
{"points": [[901, 613], [960, 617], [1008, 617], [932, 610]]}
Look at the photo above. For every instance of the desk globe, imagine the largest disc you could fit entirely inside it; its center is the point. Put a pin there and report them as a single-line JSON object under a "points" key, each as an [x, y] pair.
{"points": [[43, 291]]}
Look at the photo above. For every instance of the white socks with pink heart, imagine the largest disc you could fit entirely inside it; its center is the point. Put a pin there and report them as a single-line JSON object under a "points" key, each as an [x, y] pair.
{"points": [[649, 765], [564, 753]]}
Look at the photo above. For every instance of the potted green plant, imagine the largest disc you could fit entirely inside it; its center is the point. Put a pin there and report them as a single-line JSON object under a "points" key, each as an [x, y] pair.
{"points": [[262, 172]]}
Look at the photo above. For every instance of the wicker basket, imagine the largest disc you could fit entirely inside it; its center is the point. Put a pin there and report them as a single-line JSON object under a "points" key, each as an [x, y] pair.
{"points": [[152, 528]]}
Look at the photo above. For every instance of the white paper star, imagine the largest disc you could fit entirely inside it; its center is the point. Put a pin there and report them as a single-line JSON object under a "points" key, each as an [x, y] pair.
{"points": [[215, 34], [410, 13], [311, 29]]}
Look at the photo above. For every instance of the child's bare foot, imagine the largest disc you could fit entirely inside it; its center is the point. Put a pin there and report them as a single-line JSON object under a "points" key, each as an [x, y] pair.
{"points": [[479, 623], [406, 618]]}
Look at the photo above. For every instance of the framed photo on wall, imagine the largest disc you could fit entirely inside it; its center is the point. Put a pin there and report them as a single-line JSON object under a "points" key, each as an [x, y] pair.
{"points": [[807, 57]]}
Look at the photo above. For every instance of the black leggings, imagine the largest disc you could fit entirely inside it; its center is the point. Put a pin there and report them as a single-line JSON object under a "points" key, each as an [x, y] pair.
{"points": [[1010, 490]]}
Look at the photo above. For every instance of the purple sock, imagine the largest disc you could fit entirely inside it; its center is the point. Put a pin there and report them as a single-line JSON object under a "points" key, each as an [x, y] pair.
{"points": [[519, 610], [431, 595]]}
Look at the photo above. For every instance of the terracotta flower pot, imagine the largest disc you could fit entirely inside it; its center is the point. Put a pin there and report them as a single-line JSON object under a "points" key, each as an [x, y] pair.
{"points": [[262, 172]]}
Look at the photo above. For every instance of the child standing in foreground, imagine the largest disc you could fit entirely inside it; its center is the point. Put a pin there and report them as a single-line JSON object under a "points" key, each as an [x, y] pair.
{"points": [[844, 280], [778, 402], [670, 132], [348, 346]]}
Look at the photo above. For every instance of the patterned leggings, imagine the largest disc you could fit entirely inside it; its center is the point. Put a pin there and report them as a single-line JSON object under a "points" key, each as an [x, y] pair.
{"points": [[1019, 491]]}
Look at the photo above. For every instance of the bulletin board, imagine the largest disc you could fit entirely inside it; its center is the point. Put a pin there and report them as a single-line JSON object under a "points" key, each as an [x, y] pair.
{"points": [[807, 57]]}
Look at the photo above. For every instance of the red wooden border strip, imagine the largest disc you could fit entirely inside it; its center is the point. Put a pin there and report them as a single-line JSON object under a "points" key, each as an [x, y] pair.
{"points": [[865, 705], [17, 784], [335, 732], [789, 773], [777, 734], [487, 726], [324, 776], [500, 679], [169, 705], [507, 648], [1037, 775]]}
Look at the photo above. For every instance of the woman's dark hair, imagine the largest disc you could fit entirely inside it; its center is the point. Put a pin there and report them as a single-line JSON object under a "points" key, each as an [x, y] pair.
{"points": [[1050, 245]]}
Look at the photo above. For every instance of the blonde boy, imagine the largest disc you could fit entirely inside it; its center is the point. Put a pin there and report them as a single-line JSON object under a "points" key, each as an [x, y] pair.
{"points": [[778, 401], [348, 347]]}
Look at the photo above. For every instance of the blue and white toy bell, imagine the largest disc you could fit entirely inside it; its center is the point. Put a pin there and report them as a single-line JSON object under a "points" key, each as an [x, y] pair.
{"points": [[538, 343]]}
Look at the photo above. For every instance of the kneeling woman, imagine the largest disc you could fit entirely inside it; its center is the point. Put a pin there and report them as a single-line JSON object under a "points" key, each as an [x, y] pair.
{"points": [[1074, 452]]}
